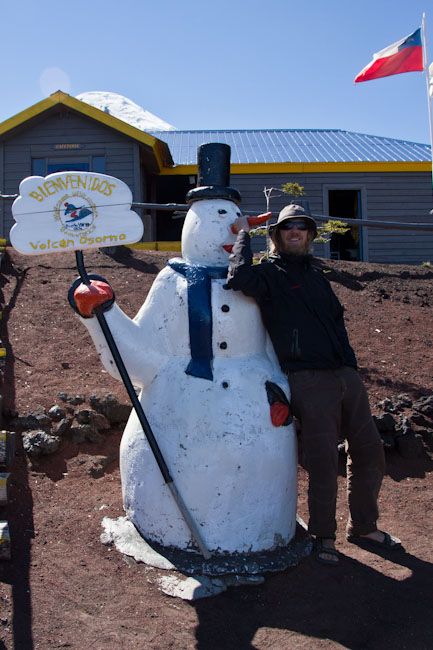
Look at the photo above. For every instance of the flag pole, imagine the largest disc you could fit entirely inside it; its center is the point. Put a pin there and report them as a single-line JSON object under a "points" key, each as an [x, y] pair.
{"points": [[427, 75]]}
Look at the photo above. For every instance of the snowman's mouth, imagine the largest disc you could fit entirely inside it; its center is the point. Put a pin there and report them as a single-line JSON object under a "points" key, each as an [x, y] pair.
{"points": [[228, 248]]}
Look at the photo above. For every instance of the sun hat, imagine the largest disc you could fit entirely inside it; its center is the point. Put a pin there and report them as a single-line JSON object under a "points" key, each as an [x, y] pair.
{"points": [[295, 211]]}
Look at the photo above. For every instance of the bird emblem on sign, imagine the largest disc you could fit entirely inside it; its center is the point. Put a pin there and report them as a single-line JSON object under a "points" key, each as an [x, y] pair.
{"points": [[83, 211], [76, 213]]}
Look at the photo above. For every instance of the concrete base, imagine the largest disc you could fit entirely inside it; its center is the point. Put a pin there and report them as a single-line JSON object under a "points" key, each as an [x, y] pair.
{"points": [[211, 577]]}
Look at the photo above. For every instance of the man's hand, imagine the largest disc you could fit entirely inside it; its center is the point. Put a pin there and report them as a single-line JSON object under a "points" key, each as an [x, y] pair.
{"points": [[246, 223], [89, 296]]}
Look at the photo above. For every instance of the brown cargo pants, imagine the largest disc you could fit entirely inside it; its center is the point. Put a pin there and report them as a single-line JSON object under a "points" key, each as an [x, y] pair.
{"points": [[332, 404]]}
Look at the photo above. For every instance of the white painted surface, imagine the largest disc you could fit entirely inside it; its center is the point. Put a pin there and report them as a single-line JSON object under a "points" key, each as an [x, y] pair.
{"points": [[73, 211], [235, 471]]}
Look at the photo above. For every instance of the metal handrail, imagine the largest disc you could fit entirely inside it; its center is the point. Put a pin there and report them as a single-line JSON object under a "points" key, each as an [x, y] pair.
{"points": [[361, 223]]}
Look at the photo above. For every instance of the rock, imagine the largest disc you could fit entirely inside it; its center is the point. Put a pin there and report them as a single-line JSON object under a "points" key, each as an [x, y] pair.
{"points": [[385, 422], [39, 443], [96, 420], [78, 434], [106, 403], [409, 446], [419, 420], [100, 421], [32, 421], [84, 432], [94, 436], [403, 427], [56, 413], [387, 405], [427, 436], [97, 466], [44, 421], [83, 416], [76, 400], [407, 443], [424, 406], [63, 427], [404, 400]]}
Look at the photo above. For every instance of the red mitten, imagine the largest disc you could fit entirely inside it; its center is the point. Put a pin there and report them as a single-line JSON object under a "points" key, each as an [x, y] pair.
{"points": [[279, 413], [89, 296]]}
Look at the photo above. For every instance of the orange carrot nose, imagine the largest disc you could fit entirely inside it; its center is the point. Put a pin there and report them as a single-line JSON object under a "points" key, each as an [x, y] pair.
{"points": [[257, 221]]}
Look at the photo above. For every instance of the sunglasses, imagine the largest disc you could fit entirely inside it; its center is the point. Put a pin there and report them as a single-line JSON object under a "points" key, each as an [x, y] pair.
{"points": [[289, 225]]}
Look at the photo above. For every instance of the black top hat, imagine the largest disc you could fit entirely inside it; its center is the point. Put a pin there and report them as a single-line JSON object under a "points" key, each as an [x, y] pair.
{"points": [[213, 177]]}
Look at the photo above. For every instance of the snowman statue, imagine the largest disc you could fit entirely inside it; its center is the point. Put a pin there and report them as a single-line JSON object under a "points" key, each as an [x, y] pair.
{"points": [[208, 381]]}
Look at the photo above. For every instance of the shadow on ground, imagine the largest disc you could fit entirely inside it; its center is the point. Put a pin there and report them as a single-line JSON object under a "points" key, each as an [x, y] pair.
{"points": [[353, 606]]}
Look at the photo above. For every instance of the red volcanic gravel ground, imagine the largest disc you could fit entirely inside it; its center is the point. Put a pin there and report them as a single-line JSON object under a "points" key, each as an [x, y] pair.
{"points": [[64, 589]]}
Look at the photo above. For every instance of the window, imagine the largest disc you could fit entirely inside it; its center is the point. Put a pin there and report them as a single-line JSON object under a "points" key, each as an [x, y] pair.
{"points": [[44, 166], [38, 166], [67, 167], [98, 164]]}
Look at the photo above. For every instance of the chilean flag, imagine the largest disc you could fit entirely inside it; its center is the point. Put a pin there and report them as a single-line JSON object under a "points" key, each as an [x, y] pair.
{"points": [[403, 56]]}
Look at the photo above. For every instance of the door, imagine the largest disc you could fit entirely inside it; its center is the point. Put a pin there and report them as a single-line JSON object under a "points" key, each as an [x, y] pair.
{"points": [[346, 204]]}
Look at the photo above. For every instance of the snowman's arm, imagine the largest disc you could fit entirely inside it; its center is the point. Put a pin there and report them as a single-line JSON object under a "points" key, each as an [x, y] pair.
{"points": [[250, 279], [143, 341]]}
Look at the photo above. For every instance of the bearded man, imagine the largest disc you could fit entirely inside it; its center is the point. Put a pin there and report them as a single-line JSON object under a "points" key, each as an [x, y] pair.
{"points": [[305, 322]]}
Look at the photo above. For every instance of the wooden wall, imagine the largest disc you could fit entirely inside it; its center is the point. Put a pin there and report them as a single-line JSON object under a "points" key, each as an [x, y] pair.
{"points": [[40, 140], [387, 196]]}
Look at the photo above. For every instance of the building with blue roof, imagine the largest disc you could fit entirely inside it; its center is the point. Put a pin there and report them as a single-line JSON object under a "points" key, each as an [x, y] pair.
{"points": [[278, 146], [344, 174]]}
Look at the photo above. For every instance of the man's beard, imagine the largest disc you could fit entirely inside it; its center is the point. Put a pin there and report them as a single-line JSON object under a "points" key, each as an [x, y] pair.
{"points": [[288, 250]]}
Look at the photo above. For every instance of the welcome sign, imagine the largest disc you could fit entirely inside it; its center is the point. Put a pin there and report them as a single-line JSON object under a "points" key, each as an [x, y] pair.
{"points": [[73, 211]]}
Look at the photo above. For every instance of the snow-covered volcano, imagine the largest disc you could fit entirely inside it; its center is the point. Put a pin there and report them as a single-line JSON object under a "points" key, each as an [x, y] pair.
{"points": [[126, 110]]}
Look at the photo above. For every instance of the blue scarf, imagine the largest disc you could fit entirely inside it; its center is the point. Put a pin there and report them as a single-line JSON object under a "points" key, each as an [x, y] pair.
{"points": [[198, 279]]}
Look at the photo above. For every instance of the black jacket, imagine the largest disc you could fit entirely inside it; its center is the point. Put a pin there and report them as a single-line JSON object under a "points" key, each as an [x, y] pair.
{"points": [[299, 309]]}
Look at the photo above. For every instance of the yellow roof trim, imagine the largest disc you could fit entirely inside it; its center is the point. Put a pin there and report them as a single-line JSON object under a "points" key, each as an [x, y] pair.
{"points": [[156, 246], [310, 168], [160, 148]]}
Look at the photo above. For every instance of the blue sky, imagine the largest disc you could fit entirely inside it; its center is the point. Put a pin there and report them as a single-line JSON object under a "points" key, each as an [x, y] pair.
{"points": [[222, 65]]}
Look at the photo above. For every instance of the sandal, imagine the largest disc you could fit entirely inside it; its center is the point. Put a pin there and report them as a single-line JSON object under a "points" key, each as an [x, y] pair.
{"points": [[319, 549], [389, 543]]}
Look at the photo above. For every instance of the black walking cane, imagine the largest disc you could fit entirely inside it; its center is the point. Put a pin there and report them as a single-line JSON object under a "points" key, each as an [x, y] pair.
{"points": [[141, 415]]}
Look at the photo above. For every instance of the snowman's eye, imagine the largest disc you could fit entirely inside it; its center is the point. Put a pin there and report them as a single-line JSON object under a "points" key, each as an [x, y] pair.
{"points": [[238, 214], [222, 211]]}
